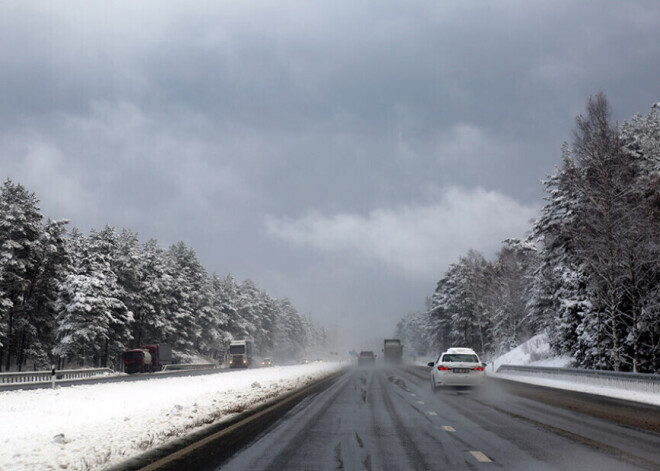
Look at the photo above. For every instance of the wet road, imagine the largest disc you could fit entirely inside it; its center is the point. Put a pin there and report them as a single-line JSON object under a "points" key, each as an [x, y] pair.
{"points": [[388, 419]]}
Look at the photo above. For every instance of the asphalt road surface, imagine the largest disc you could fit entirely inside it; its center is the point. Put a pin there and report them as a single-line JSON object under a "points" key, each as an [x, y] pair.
{"points": [[388, 419]]}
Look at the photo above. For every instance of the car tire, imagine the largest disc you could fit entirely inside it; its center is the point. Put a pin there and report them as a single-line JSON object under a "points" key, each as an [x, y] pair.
{"points": [[434, 388]]}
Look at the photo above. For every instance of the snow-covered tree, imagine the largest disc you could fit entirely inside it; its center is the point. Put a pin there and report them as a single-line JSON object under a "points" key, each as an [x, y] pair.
{"points": [[598, 237], [20, 239], [84, 299], [94, 323], [186, 296], [288, 334], [54, 263], [508, 286]]}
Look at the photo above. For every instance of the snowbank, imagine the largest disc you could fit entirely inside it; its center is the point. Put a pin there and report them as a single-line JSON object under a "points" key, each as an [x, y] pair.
{"points": [[91, 426], [534, 352], [627, 395]]}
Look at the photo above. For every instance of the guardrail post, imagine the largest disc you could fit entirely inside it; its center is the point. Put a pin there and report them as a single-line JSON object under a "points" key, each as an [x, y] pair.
{"points": [[52, 376]]}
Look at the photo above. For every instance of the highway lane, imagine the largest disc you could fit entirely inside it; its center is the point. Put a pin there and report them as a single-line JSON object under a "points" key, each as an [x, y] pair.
{"points": [[389, 419]]}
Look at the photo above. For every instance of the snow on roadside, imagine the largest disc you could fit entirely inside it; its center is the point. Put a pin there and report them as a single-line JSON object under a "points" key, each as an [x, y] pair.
{"points": [[536, 352], [635, 396], [92, 426]]}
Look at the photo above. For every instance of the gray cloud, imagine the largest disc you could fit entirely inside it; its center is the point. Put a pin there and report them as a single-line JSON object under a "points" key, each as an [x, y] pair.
{"points": [[415, 240]]}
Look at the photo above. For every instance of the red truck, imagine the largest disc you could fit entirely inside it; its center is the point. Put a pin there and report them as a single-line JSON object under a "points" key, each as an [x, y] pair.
{"points": [[147, 358]]}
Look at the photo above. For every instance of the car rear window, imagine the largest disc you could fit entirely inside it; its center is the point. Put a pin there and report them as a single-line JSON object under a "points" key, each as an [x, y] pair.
{"points": [[462, 358]]}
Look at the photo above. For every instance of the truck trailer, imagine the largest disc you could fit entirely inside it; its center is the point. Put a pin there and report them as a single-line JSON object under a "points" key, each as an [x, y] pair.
{"points": [[147, 358]]}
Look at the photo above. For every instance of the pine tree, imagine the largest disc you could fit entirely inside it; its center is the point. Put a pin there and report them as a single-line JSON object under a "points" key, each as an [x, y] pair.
{"points": [[54, 263], [641, 253], [20, 235], [288, 333], [94, 323], [508, 283], [150, 307]]}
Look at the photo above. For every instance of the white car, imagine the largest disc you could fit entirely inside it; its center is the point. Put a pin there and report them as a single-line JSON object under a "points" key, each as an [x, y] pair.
{"points": [[457, 367]]}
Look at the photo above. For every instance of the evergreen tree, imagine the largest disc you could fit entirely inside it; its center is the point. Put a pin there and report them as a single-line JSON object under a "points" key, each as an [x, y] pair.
{"points": [[37, 338], [186, 296], [20, 238], [94, 324]]}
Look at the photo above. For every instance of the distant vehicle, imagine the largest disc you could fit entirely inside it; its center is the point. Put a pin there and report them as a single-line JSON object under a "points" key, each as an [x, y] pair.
{"points": [[393, 350], [137, 361], [266, 362], [240, 353], [366, 358], [306, 361], [457, 367], [147, 358]]}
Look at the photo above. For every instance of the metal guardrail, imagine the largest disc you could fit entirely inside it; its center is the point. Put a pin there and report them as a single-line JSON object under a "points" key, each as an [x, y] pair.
{"points": [[19, 377], [189, 366], [648, 383], [47, 376]]}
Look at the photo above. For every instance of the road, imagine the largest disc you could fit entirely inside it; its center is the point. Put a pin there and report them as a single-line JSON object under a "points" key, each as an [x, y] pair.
{"points": [[388, 419]]}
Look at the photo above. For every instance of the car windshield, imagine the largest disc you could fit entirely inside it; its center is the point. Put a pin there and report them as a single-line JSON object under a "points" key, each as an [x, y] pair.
{"points": [[459, 358]]}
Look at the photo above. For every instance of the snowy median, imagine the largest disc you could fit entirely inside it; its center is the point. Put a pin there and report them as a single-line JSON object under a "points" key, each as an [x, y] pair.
{"points": [[92, 426]]}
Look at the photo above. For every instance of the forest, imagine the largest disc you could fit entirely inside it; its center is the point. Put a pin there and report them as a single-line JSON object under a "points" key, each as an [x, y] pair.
{"points": [[72, 300], [588, 271]]}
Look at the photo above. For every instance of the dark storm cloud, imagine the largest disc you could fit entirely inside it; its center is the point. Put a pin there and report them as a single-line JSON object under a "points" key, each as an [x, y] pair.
{"points": [[256, 130]]}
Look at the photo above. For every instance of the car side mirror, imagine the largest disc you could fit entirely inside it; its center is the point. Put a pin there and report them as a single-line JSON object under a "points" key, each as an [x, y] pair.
{"points": [[431, 364], [484, 365]]}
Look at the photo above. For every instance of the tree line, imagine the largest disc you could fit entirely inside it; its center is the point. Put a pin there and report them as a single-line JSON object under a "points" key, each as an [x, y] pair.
{"points": [[80, 300], [588, 273]]}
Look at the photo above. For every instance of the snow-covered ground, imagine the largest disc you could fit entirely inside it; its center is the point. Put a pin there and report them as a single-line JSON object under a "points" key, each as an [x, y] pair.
{"points": [[90, 426], [536, 352]]}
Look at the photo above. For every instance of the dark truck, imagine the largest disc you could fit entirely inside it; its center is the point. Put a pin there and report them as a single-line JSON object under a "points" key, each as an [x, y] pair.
{"points": [[147, 358], [392, 350]]}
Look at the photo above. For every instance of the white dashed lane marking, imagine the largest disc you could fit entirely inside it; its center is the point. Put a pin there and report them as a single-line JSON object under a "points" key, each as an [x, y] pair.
{"points": [[420, 402], [480, 457], [432, 413], [449, 428]]}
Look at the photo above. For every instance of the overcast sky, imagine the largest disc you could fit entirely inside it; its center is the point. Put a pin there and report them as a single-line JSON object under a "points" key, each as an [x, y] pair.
{"points": [[339, 153]]}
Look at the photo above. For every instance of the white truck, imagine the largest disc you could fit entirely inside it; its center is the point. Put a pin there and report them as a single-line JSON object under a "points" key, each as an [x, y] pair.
{"points": [[240, 353]]}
